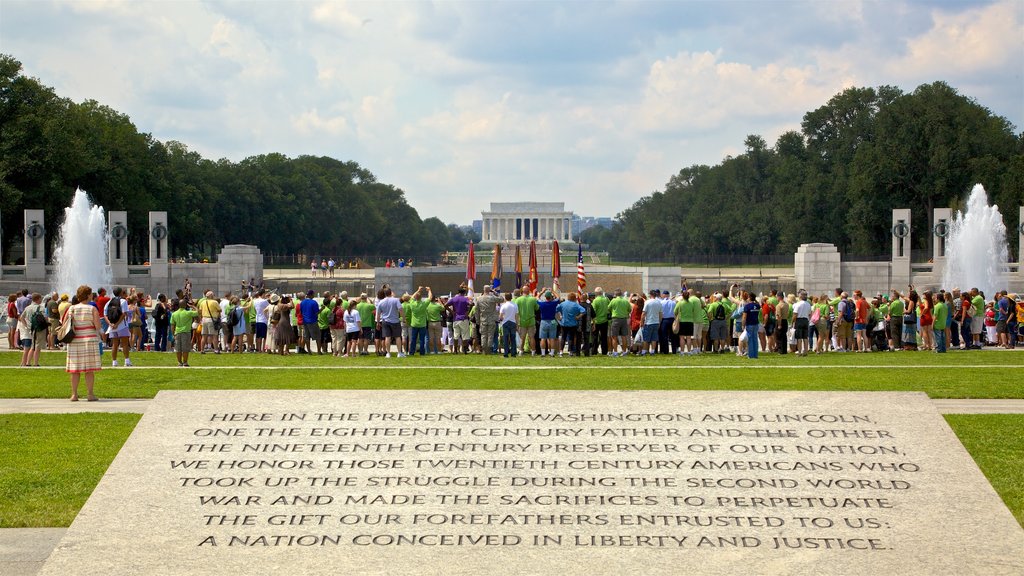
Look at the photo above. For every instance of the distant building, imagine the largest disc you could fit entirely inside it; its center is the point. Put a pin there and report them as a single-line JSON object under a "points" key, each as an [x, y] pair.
{"points": [[478, 227], [511, 222]]}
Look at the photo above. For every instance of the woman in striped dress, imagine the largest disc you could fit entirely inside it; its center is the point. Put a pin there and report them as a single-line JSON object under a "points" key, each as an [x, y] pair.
{"points": [[84, 351]]}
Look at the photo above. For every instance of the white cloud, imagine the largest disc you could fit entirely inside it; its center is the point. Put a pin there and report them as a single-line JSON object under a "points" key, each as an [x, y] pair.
{"points": [[979, 40]]}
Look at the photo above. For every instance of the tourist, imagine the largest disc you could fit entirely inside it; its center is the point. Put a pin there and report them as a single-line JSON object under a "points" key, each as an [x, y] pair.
{"points": [[330, 269], [161, 323], [819, 323], [367, 311], [782, 313], [569, 313], [53, 320], [12, 322], [636, 303], [209, 314], [33, 327], [668, 340], [601, 319], [434, 324], [1002, 313], [508, 318], [585, 326], [751, 323], [134, 323], [487, 307], [965, 316], [312, 268], [718, 329], [310, 331], [281, 324], [260, 304], [339, 342], [941, 314], [802, 322], [353, 328], [418, 320], [459, 306], [83, 353], [390, 314], [926, 320], [238, 315], [846, 313], [861, 316], [548, 323], [118, 330], [701, 324], [685, 311], [894, 321], [619, 310], [953, 303], [180, 323], [650, 320], [910, 312], [324, 319]]}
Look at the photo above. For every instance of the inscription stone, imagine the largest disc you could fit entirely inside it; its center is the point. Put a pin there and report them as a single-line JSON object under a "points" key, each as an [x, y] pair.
{"points": [[535, 482]]}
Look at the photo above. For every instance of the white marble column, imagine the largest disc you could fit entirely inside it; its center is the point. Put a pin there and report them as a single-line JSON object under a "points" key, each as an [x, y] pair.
{"points": [[569, 222]]}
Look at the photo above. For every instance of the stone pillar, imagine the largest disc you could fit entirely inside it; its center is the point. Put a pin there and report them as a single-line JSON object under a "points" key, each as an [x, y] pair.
{"points": [[569, 222], [158, 243], [117, 247], [942, 218], [559, 229], [1020, 245], [35, 245], [901, 249], [818, 268]]}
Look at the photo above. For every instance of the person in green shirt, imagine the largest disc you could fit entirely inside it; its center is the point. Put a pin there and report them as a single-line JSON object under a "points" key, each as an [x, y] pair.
{"points": [[940, 313], [527, 326], [894, 321], [978, 302], [323, 322], [418, 320], [434, 309], [367, 312], [600, 306], [620, 309], [181, 326]]}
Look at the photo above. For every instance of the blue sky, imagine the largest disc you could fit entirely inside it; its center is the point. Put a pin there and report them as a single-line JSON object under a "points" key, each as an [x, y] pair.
{"points": [[460, 104]]}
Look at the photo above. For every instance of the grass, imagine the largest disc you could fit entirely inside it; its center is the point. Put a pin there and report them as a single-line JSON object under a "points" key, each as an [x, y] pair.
{"points": [[52, 463], [996, 443], [956, 375]]}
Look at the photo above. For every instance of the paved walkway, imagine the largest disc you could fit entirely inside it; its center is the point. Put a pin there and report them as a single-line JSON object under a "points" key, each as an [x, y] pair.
{"points": [[23, 550]]}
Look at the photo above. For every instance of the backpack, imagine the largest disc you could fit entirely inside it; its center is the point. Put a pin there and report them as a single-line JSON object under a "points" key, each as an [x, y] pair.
{"points": [[38, 321], [159, 313], [233, 317], [720, 312], [113, 311], [816, 315], [848, 310]]}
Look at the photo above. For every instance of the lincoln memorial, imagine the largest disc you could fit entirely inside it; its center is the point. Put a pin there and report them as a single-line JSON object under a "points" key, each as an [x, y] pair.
{"points": [[524, 221]]}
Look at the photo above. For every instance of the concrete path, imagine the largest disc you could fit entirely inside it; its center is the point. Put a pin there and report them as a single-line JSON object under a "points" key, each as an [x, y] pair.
{"points": [[23, 550]]}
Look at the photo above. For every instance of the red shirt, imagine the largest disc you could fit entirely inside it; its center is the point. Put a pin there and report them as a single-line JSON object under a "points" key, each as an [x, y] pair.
{"points": [[862, 311], [101, 304]]}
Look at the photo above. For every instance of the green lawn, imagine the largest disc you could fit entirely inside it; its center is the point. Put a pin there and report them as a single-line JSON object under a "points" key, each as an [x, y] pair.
{"points": [[986, 374], [996, 443], [53, 462]]}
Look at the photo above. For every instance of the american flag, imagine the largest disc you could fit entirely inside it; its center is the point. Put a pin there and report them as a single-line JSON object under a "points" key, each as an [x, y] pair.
{"points": [[581, 275]]}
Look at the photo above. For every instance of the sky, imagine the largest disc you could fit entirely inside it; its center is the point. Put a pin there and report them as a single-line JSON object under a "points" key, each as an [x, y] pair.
{"points": [[459, 104]]}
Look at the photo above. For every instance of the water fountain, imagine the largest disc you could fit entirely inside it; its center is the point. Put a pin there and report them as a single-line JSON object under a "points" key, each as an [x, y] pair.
{"points": [[976, 249], [81, 253]]}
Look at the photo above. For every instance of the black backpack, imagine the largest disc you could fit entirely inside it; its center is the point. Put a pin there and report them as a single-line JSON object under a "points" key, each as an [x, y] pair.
{"points": [[848, 310], [233, 318], [720, 312], [113, 310], [159, 313], [38, 321]]}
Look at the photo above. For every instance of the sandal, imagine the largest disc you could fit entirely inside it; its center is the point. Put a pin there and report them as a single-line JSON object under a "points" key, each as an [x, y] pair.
{"points": [[93, 399], [74, 398]]}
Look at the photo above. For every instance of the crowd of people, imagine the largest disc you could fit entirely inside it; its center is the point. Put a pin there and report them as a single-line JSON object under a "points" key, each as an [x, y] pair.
{"points": [[540, 323]]}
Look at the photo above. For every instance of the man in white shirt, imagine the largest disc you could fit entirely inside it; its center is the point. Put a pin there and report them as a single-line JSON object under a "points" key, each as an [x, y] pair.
{"points": [[650, 320], [260, 304], [801, 323], [508, 318]]}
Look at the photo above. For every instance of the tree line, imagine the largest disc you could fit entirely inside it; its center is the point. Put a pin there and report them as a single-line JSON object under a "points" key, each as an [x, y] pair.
{"points": [[864, 153], [312, 205]]}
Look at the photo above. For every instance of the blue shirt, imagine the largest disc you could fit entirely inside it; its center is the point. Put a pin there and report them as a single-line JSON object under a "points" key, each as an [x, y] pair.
{"points": [[569, 310], [310, 310], [752, 310], [668, 309], [548, 309]]}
